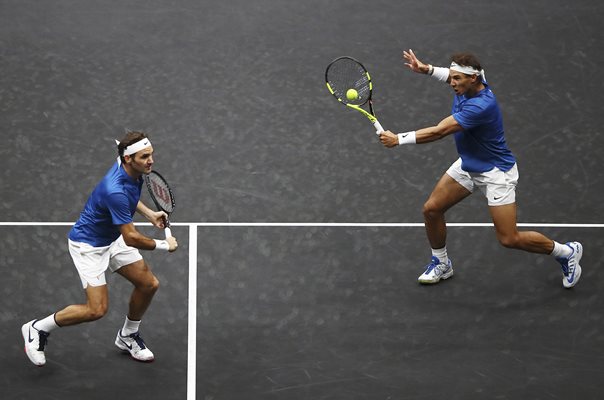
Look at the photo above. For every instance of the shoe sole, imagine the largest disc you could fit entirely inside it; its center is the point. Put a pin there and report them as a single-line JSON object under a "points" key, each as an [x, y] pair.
{"points": [[25, 334], [442, 277], [125, 350]]}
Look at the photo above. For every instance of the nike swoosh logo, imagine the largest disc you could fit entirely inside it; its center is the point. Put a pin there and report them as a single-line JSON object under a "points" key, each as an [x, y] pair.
{"points": [[126, 344], [29, 335], [497, 198], [572, 277]]}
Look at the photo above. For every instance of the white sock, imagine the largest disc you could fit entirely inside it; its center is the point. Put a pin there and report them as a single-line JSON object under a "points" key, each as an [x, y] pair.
{"points": [[130, 327], [46, 324], [561, 250], [441, 254]]}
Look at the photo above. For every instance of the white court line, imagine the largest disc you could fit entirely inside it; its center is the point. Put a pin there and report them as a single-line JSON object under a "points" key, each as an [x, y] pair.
{"points": [[381, 224], [192, 331], [329, 224]]}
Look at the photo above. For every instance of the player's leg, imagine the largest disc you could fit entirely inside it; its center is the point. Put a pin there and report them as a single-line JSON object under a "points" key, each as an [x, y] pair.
{"points": [[453, 187], [97, 303], [504, 219], [568, 255], [445, 195], [500, 189], [91, 263], [145, 286], [36, 332]]}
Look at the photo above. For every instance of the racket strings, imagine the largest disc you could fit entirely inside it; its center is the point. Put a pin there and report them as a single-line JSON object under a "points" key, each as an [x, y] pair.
{"points": [[344, 74], [161, 192]]}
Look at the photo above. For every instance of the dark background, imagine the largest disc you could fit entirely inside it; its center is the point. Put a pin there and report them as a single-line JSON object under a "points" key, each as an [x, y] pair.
{"points": [[232, 94]]}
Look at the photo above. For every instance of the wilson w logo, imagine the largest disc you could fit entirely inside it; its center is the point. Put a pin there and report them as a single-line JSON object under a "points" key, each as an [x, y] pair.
{"points": [[161, 193]]}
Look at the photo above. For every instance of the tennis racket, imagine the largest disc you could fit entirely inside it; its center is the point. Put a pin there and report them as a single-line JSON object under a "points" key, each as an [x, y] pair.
{"points": [[348, 80], [162, 197]]}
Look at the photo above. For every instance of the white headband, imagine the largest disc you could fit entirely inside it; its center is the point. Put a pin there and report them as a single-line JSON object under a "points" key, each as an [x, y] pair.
{"points": [[467, 70], [136, 146]]}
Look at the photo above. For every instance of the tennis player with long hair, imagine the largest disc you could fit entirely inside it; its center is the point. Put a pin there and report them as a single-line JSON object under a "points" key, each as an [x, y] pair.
{"points": [[485, 162], [104, 237]]}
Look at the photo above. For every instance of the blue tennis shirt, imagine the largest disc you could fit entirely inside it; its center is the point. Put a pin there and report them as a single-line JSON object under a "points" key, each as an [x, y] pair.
{"points": [[111, 204], [481, 144]]}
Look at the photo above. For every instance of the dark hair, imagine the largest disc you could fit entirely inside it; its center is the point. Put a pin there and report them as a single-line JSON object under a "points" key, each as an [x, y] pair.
{"points": [[127, 140], [467, 60]]}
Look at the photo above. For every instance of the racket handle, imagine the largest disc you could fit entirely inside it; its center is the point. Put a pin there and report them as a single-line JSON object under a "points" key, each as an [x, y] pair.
{"points": [[378, 127], [168, 232]]}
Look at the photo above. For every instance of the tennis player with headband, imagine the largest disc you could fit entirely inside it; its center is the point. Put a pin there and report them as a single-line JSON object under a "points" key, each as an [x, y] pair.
{"points": [[104, 237], [485, 162]]}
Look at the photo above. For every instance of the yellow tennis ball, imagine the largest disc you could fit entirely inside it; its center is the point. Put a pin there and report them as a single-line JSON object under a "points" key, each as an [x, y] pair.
{"points": [[352, 94]]}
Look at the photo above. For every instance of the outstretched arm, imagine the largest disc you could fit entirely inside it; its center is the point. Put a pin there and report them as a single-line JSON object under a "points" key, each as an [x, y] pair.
{"points": [[414, 63], [425, 135]]}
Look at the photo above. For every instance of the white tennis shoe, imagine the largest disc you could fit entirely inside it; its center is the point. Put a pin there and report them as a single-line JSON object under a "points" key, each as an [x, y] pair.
{"points": [[435, 271], [571, 270], [134, 345], [35, 342]]}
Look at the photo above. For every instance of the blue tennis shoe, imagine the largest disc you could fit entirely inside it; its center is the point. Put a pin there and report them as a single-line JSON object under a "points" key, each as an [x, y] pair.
{"points": [[435, 271]]}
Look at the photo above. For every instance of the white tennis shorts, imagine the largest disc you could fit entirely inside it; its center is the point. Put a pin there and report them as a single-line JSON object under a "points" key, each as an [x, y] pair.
{"points": [[498, 187], [92, 262]]}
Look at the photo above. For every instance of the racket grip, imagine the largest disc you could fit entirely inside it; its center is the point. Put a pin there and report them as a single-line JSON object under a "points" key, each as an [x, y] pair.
{"points": [[378, 127], [168, 232]]}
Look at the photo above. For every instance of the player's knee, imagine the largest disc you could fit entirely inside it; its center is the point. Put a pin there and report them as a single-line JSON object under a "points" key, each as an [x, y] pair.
{"points": [[154, 284], [97, 311], [509, 241], [151, 285], [430, 209]]}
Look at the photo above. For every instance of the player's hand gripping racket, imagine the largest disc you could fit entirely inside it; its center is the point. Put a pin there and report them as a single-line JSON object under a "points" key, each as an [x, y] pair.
{"points": [[162, 197], [348, 80]]}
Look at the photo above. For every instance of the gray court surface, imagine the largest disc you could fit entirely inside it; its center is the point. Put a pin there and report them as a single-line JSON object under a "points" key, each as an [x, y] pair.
{"points": [[232, 94]]}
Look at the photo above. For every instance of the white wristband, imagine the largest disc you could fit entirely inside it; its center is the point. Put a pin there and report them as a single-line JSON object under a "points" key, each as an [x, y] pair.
{"points": [[440, 74], [161, 245], [406, 138]]}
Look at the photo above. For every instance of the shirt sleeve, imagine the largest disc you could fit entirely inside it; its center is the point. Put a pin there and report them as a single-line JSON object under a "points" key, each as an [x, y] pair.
{"points": [[471, 115], [118, 206]]}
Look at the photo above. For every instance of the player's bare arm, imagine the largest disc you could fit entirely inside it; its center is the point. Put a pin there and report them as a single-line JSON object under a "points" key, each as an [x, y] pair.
{"points": [[134, 238], [157, 218], [425, 135]]}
